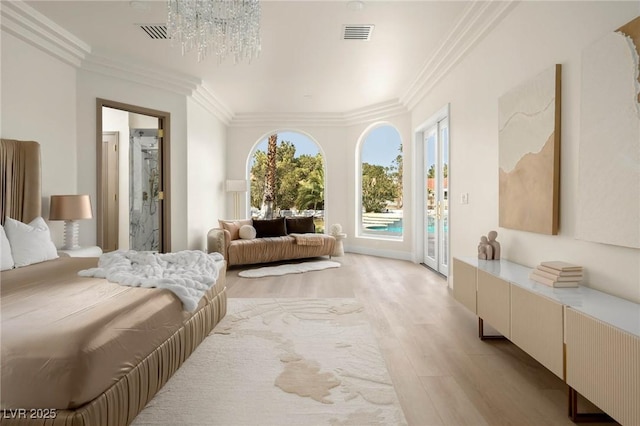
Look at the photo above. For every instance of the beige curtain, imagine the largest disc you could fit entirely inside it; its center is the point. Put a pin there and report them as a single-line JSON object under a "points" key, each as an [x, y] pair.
{"points": [[20, 191]]}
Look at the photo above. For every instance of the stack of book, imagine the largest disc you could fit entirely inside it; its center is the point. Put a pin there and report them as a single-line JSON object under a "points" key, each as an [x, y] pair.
{"points": [[557, 274]]}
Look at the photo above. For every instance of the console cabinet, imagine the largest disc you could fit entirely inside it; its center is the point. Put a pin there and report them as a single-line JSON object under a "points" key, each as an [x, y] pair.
{"points": [[493, 302], [464, 289], [588, 338], [537, 328]]}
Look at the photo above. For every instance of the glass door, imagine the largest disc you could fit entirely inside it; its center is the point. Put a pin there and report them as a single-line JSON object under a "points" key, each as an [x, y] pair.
{"points": [[436, 170]]}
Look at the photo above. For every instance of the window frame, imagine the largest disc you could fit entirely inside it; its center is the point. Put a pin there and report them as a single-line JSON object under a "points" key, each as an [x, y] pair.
{"points": [[361, 231]]}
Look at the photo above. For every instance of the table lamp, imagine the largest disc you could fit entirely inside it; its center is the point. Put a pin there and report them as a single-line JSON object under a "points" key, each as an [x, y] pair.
{"points": [[70, 208]]}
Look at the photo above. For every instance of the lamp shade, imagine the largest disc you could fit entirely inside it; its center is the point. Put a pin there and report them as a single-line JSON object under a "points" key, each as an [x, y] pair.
{"points": [[236, 185], [70, 207]]}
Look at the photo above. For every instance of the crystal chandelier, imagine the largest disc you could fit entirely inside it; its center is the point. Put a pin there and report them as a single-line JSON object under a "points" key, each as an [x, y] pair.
{"points": [[224, 27]]}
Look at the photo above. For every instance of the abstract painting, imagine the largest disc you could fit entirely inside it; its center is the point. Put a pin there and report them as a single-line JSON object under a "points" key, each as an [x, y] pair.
{"points": [[529, 154], [609, 158]]}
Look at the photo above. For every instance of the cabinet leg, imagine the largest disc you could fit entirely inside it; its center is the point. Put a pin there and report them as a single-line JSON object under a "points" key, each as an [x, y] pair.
{"points": [[584, 417], [481, 334]]}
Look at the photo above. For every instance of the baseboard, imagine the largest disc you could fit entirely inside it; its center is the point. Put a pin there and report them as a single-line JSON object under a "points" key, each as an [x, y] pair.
{"points": [[391, 254]]}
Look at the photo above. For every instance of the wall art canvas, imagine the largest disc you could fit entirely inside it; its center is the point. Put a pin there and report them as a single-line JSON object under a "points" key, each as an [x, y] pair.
{"points": [[529, 154], [609, 156]]}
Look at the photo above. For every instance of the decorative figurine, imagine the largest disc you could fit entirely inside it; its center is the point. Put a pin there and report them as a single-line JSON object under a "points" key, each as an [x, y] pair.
{"points": [[485, 251], [492, 235]]}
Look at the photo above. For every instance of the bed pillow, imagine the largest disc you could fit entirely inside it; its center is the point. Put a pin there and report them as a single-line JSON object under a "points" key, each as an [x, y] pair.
{"points": [[233, 226], [5, 251], [300, 225], [247, 232], [270, 227], [30, 243]]}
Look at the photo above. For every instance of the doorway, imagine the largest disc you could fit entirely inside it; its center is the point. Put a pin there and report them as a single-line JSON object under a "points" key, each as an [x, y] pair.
{"points": [[133, 210], [110, 179], [435, 139]]}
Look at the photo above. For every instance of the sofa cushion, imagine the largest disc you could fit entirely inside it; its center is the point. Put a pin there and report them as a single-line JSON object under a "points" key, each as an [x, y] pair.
{"points": [[233, 226], [247, 232], [270, 227], [300, 225]]}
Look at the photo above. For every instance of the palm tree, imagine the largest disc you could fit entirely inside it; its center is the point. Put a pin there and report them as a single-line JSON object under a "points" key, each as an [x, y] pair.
{"points": [[270, 187]]}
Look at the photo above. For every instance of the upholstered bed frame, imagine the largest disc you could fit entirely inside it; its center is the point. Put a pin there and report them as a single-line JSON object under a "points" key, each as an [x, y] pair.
{"points": [[21, 196], [120, 403]]}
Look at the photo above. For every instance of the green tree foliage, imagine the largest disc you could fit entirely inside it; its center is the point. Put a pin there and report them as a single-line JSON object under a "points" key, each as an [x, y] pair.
{"points": [[396, 175], [291, 172], [378, 187], [311, 192]]}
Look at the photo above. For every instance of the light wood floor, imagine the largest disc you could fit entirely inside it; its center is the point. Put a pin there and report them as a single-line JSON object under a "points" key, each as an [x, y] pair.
{"points": [[443, 374]]}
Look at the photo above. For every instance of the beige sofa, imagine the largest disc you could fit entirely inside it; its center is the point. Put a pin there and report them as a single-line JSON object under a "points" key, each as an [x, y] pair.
{"points": [[275, 240]]}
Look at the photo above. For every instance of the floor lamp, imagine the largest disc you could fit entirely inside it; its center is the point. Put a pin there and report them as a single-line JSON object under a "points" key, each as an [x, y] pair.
{"points": [[236, 186]]}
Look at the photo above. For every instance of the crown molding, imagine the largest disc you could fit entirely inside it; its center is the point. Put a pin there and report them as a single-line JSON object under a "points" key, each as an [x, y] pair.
{"points": [[375, 112], [206, 98], [182, 84], [476, 21], [26, 23]]}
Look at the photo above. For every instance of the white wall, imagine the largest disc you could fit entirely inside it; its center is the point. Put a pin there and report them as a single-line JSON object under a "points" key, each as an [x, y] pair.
{"points": [[206, 171], [116, 120], [91, 86], [534, 36], [43, 108], [62, 117], [338, 144]]}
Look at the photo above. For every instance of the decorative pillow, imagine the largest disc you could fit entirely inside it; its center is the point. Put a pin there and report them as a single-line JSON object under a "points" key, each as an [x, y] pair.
{"points": [[5, 251], [30, 243], [247, 232], [233, 226], [270, 227], [300, 225]]}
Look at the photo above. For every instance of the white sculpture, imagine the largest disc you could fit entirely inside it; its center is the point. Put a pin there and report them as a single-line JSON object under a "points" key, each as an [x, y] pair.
{"points": [[335, 229]]}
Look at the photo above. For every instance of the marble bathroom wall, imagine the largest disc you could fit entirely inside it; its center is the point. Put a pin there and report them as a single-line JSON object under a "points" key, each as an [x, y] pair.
{"points": [[144, 218]]}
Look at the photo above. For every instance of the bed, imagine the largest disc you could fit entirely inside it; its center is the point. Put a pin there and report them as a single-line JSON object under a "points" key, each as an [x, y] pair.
{"points": [[77, 350]]}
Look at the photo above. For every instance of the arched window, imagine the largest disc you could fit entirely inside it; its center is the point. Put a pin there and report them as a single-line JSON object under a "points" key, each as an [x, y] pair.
{"points": [[295, 184], [380, 201]]}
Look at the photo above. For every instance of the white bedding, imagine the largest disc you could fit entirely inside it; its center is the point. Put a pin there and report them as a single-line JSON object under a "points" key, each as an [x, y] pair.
{"points": [[188, 274]]}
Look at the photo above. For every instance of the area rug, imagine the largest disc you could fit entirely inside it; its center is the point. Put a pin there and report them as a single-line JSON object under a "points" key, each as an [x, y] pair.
{"points": [[282, 362], [291, 268]]}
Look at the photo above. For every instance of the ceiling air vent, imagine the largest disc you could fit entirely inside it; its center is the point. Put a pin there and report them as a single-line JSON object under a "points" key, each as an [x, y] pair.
{"points": [[155, 31], [357, 32]]}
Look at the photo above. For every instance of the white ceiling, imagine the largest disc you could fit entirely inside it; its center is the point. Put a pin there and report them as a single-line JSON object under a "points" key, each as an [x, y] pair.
{"points": [[304, 66]]}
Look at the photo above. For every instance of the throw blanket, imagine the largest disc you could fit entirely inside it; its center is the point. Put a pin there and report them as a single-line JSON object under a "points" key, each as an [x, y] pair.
{"points": [[309, 239], [188, 274]]}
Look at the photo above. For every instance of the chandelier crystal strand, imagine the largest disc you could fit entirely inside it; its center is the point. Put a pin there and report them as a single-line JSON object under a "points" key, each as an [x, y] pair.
{"points": [[222, 27]]}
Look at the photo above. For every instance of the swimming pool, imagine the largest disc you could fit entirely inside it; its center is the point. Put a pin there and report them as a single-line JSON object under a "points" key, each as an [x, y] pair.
{"points": [[397, 228]]}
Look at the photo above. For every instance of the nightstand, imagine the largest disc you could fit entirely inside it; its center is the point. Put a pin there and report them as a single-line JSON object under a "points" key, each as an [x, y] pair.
{"points": [[91, 251]]}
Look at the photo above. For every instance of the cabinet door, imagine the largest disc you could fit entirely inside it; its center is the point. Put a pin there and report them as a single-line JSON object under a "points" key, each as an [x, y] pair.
{"points": [[464, 284], [602, 365], [493, 302], [537, 327]]}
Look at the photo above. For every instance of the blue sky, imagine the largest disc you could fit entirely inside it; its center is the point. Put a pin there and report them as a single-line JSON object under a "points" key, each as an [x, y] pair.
{"points": [[381, 147]]}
